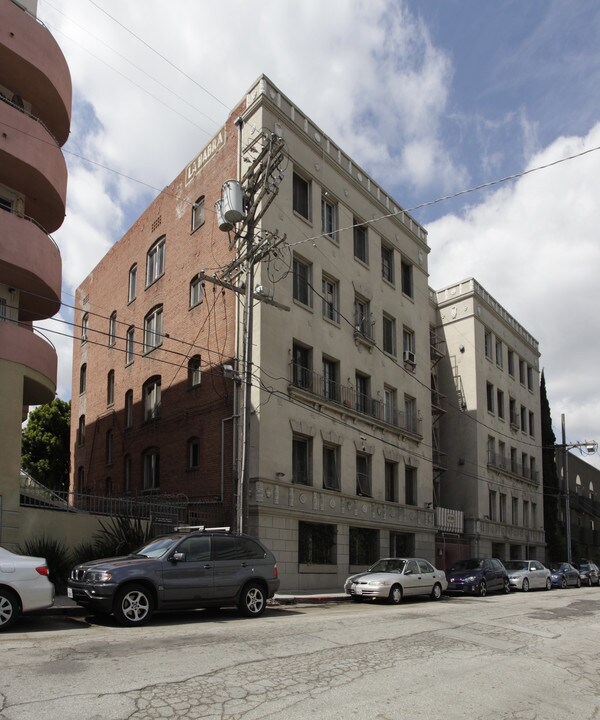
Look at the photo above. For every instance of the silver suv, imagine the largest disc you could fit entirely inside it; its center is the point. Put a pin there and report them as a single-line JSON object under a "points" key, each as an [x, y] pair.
{"points": [[191, 568]]}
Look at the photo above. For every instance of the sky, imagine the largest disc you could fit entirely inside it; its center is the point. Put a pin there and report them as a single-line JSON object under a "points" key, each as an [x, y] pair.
{"points": [[431, 98]]}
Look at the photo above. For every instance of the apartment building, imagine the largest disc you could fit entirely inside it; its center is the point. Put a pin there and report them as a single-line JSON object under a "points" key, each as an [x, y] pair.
{"points": [[35, 110], [584, 508], [491, 432]]}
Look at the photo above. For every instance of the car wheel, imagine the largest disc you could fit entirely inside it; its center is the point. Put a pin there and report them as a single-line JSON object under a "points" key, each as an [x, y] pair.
{"points": [[134, 605], [563, 582], [525, 584], [482, 589], [9, 609], [253, 601], [578, 583], [436, 593], [506, 587], [548, 584], [395, 596]]}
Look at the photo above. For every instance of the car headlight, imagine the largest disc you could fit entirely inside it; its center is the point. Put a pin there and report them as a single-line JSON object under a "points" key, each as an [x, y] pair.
{"points": [[378, 583], [471, 578], [99, 576]]}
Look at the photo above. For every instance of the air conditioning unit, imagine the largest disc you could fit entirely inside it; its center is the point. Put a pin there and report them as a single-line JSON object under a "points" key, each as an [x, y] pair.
{"points": [[409, 357]]}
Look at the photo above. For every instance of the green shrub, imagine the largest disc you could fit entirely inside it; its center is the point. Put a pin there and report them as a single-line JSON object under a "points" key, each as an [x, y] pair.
{"points": [[57, 556]]}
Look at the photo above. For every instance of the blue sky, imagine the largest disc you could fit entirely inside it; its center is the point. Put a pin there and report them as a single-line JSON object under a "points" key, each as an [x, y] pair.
{"points": [[429, 97]]}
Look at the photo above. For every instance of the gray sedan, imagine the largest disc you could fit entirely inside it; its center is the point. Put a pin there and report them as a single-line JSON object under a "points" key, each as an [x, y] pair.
{"points": [[528, 574], [393, 578]]}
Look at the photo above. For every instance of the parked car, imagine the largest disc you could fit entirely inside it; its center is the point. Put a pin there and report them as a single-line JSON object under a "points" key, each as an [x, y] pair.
{"points": [[564, 574], [24, 586], [193, 568], [528, 575], [478, 576], [589, 574], [392, 579]]}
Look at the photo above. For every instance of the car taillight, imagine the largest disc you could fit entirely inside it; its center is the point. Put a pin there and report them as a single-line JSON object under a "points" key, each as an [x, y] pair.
{"points": [[275, 570], [42, 570]]}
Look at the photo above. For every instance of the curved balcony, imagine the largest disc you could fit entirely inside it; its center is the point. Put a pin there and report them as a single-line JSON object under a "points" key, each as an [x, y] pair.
{"points": [[32, 163], [20, 345], [30, 261], [38, 69]]}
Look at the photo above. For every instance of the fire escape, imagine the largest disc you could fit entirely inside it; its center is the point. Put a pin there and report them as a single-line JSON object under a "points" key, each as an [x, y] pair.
{"points": [[437, 352]]}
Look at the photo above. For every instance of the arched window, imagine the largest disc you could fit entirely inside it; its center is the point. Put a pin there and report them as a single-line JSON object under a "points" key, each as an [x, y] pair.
{"points": [[109, 447], [129, 409], [82, 378], [130, 345], [152, 398], [112, 329], [578, 486], [198, 213], [81, 430], [132, 290], [195, 291], [591, 489], [110, 387], [85, 322], [193, 453], [153, 328], [194, 371], [151, 468], [155, 261]]}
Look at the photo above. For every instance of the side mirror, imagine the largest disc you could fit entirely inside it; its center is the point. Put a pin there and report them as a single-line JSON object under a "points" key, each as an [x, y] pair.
{"points": [[177, 557]]}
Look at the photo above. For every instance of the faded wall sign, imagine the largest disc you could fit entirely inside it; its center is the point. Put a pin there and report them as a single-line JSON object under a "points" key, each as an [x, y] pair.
{"points": [[205, 155]]}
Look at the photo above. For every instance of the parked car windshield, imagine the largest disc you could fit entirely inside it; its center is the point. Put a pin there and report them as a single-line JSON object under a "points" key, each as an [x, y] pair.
{"points": [[515, 565], [389, 565], [472, 564], [158, 547]]}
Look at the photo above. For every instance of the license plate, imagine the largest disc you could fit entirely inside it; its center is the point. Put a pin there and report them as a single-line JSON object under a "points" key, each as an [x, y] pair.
{"points": [[70, 593]]}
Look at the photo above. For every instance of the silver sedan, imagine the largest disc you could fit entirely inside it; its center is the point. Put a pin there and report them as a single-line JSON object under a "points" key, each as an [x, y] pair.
{"points": [[392, 579], [528, 574], [24, 586]]}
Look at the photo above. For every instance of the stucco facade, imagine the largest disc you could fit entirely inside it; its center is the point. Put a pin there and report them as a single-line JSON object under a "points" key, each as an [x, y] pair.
{"points": [[35, 110]]}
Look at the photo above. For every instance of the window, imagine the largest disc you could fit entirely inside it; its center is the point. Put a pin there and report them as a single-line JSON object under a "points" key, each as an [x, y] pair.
{"points": [[129, 409], [302, 460], [410, 485], [193, 453], [328, 217], [317, 544], [302, 282], [408, 346], [511, 363], [82, 378], [153, 329], [364, 546], [533, 470], [361, 245], [81, 430], [112, 329], [529, 377], [488, 344], [391, 481], [331, 307], [523, 418], [493, 499], [331, 473], [198, 213], [525, 513], [109, 447], [151, 469], [330, 380], [499, 354], [525, 465], [489, 391], [131, 293], [389, 335], [533, 516], [127, 474], [195, 291], [301, 366], [500, 404], [522, 371], [362, 317], [513, 461], [532, 424], [502, 508], [301, 196], [406, 270], [155, 261], [363, 475], [194, 371], [129, 345], [110, 387], [512, 412], [362, 403], [387, 263], [152, 398], [501, 454], [85, 321], [491, 450], [515, 511], [410, 414], [390, 406]]}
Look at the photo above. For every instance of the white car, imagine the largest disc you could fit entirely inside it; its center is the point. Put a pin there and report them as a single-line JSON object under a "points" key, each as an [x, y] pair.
{"points": [[528, 575], [24, 586], [392, 579]]}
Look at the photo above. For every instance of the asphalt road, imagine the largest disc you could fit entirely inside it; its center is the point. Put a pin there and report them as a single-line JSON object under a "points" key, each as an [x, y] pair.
{"points": [[517, 657]]}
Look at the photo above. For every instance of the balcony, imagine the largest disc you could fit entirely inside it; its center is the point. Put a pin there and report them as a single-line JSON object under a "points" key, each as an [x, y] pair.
{"points": [[21, 345], [30, 261], [36, 69], [326, 390], [32, 164]]}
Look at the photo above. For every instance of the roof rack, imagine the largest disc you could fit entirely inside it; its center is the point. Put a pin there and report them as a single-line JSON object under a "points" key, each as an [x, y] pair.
{"points": [[201, 528]]}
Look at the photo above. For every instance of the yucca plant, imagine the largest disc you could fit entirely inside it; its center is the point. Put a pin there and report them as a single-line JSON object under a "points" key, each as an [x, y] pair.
{"points": [[57, 557], [121, 535]]}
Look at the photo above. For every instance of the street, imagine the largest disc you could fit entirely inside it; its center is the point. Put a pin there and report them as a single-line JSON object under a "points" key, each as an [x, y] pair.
{"points": [[522, 656]]}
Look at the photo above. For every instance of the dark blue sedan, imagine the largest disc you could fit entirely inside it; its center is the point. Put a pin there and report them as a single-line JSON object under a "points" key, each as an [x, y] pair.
{"points": [[564, 574]]}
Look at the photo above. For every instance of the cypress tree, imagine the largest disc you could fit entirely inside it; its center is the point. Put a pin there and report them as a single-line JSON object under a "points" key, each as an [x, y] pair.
{"points": [[555, 539]]}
